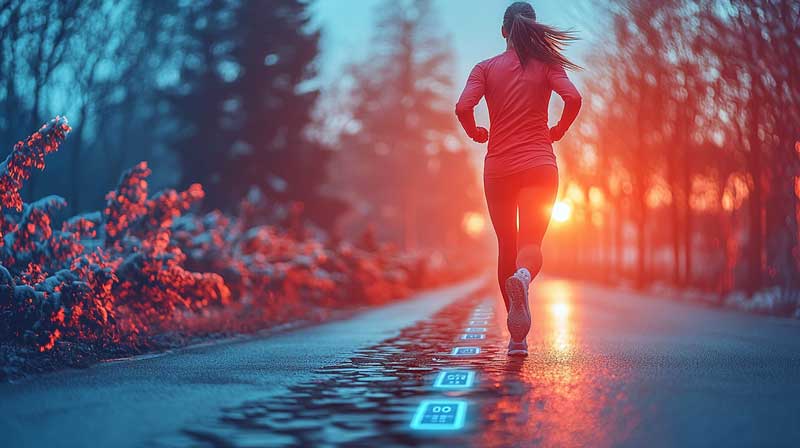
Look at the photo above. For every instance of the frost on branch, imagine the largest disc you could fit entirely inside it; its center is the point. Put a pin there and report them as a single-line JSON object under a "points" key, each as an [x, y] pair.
{"points": [[28, 155], [126, 204]]}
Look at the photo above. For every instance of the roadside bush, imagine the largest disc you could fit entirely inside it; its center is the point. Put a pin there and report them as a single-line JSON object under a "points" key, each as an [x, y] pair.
{"points": [[145, 262]]}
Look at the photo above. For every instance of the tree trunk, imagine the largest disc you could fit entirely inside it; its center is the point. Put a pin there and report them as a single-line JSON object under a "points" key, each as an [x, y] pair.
{"points": [[640, 190], [686, 180], [619, 242], [674, 212], [756, 208], [75, 163]]}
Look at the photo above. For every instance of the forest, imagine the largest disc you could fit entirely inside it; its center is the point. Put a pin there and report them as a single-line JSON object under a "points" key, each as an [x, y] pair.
{"points": [[183, 184], [684, 171], [176, 169]]}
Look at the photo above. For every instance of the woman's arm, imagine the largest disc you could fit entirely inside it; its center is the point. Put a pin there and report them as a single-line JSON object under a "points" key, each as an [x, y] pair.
{"points": [[560, 83], [472, 94]]}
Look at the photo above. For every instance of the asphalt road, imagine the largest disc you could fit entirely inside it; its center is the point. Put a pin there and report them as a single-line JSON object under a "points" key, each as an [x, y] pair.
{"points": [[607, 368]]}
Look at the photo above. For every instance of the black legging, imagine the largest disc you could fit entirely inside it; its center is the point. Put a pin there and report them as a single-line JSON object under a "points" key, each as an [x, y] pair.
{"points": [[532, 192]]}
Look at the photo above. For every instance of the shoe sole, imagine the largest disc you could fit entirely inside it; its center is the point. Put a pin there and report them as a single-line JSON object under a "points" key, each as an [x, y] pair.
{"points": [[519, 320]]}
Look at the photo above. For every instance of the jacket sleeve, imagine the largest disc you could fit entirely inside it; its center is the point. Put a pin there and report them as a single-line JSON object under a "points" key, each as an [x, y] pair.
{"points": [[472, 94], [560, 83]]}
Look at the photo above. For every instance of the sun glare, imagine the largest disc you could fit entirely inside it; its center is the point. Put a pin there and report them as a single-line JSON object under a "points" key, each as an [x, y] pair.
{"points": [[473, 223], [562, 211], [560, 310]]}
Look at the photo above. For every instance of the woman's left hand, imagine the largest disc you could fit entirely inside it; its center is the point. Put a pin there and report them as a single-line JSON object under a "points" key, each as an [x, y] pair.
{"points": [[482, 136], [555, 134]]}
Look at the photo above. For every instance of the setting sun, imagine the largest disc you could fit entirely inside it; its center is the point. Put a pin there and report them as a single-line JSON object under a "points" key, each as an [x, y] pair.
{"points": [[473, 224], [562, 211]]}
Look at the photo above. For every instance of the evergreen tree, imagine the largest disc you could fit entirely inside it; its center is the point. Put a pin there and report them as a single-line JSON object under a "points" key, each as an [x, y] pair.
{"points": [[247, 104], [204, 142], [395, 164]]}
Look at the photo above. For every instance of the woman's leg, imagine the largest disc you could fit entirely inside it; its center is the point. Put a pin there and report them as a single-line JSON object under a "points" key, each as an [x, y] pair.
{"points": [[501, 199], [536, 197]]}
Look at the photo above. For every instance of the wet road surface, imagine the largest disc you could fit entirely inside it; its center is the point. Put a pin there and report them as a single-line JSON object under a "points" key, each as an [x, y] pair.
{"points": [[132, 403], [607, 368]]}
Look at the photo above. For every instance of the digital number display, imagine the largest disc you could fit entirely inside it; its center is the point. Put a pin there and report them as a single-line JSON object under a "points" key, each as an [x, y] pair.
{"points": [[473, 336], [447, 415], [466, 351], [454, 379]]}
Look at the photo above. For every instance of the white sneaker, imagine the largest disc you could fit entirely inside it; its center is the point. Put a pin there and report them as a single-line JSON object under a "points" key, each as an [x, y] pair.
{"points": [[519, 313], [517, 348]]}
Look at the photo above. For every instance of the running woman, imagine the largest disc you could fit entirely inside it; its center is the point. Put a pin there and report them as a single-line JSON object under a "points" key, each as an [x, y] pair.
{"points": [[520, 174]]}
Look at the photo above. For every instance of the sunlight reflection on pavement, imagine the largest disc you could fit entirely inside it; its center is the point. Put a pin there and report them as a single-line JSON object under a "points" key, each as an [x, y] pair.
{"points": [[561, 395]]}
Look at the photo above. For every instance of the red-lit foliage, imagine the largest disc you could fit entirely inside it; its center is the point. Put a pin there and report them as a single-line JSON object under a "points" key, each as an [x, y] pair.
{"points": [[27, 155], [145, 263]]}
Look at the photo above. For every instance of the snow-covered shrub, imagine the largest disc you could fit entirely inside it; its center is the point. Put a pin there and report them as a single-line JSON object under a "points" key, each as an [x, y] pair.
{"points": [[774, 300], [134, 268], [103, 276]]}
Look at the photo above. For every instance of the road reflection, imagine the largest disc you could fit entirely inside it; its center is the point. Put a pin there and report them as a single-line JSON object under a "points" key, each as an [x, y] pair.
{"points": [[561, 395], [558, 296]]}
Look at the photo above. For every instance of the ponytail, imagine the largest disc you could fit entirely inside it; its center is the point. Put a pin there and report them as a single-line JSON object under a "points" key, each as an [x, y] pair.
{"points": [[533, 40]]}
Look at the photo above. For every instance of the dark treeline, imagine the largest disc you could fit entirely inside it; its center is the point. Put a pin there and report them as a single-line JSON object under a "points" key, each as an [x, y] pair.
{"points": [[104, 64], [206, 91], [224, 93], [244, 97], [685, 169]]}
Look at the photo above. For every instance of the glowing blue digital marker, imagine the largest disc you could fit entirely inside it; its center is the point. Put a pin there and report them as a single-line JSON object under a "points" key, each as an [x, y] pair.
{"points": [[466, 351], [473, 336], [440, 415], [475, 330], [454, 379], [479, 322]]}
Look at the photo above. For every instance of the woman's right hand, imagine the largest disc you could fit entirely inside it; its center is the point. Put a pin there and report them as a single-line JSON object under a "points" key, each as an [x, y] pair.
{"points": [[482, 136]]}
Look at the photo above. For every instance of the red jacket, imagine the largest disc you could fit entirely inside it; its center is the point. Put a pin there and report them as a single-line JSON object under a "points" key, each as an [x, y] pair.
{"points": [[518, 100]]}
